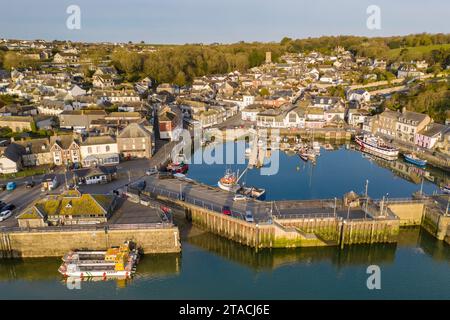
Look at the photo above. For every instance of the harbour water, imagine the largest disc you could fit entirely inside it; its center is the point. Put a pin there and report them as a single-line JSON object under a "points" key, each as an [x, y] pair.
{"points": [[335, 173], [418, 267], [210, 267]]}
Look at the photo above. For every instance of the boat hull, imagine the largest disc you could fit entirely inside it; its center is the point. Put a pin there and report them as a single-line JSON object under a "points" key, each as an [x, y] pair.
{"points": [[415, 161], [229, 188], [98, 274], [388, 154], [303, 156]]}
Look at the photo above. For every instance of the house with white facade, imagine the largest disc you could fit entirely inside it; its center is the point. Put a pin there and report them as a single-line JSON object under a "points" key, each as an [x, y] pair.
{"points": [[99, 150], [431, 135]]}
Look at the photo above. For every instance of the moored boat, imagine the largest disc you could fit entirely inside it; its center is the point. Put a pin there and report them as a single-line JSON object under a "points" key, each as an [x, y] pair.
{"points": [[303, 156], [411, 158], [115, 262], [229, 182], [253, 192], [178, 167], [446, 189], [376, 146]]}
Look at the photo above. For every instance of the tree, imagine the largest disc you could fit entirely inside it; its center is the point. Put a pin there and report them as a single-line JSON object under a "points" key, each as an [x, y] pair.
{"points": [[180, 79], [264, 92], [285, 41], [16, 60]]}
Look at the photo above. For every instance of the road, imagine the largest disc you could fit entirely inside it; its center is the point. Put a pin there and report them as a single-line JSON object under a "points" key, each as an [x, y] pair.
{"points": [[21, 197]]}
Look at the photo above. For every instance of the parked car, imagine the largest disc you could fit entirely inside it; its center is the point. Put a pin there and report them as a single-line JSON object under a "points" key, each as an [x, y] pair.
{"points": [[249, 216], [9, 207], [151, 171], [226, 210], [239, 197], [2, 187], [5, 215], [165, 175], [30, 184], [140, 185], [11, 186]]}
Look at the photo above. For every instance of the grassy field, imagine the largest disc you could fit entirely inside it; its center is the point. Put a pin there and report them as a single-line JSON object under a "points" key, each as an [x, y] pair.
{"points": [[416, 52]]}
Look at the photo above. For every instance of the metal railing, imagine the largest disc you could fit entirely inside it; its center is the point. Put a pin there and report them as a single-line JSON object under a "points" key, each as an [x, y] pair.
{"points": [[306, 216], [96, 227]]}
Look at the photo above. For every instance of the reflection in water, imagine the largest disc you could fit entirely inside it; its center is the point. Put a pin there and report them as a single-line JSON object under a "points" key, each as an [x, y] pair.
{"points": [[412, 173], [216, 268], [162, 266], [269, 259], [334, 173], [152, 266]]}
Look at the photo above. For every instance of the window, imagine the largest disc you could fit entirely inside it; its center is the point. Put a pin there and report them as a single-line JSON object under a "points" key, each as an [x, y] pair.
{"points": [[107, 148], [89, 150], [292, 117]]}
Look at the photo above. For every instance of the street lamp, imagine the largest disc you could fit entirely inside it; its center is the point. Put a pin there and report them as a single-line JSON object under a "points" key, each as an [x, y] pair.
{"points": [[448, 203], [335, 205]]}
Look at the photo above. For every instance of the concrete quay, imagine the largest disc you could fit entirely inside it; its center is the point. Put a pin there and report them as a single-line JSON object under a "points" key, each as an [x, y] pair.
{"points": [[277, 224]]}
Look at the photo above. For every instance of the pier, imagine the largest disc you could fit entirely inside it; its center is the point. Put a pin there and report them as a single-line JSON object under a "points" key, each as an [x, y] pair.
{"points": [[296, 223]]}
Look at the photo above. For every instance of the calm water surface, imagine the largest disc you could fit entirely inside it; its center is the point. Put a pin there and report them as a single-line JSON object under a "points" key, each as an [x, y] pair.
{"points": [[209, 267]]}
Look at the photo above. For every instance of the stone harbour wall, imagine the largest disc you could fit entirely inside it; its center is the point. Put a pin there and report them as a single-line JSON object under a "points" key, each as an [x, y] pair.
{"points": [[29, 244]]}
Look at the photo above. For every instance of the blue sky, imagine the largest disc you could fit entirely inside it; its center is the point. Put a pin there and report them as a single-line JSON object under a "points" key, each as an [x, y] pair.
{"points": [[207, 21]]}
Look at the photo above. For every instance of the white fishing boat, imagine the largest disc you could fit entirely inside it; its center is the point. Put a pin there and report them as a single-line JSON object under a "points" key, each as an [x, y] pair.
{"points": [[229, 182], [376, 146]]}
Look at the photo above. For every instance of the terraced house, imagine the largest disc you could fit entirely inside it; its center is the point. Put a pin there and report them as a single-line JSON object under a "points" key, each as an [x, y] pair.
{"points": [[135, 141], [65, 150], [409, 123], [100, 150]]}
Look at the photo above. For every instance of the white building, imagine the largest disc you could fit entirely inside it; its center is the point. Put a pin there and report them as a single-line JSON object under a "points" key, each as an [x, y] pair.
{"points": [[100, 150]]}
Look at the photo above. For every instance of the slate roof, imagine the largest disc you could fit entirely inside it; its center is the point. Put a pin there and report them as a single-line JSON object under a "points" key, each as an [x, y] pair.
{"points": [[14, 152], [98, 140]]}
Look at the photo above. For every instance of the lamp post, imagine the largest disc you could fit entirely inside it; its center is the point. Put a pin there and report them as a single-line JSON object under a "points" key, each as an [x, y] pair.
{"points": [[335, 205], [448, 203]]}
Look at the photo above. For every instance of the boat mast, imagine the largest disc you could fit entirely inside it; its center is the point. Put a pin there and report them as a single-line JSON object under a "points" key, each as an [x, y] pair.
{"points": [[240, 176]]}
